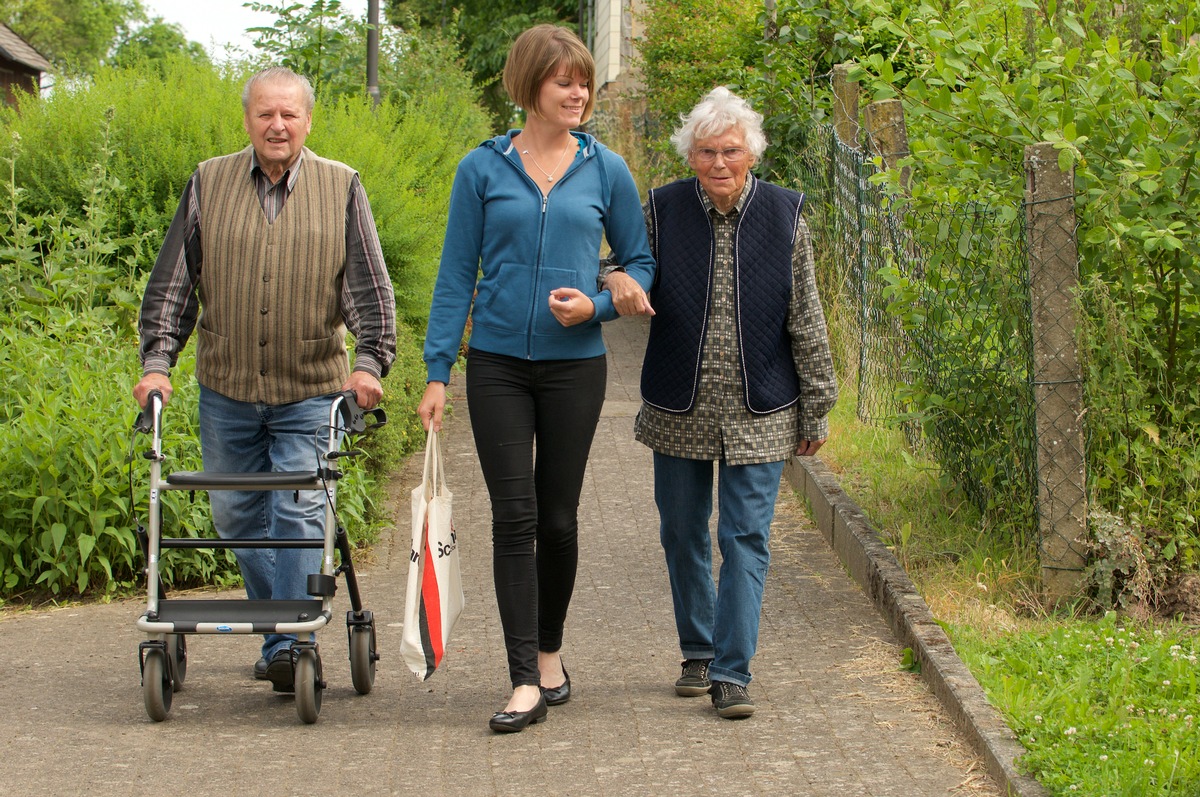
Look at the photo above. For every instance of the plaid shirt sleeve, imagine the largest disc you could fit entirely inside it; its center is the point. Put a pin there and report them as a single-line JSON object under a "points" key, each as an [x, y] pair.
{"points": [[368, 301], [170, 304], [810, 342]]}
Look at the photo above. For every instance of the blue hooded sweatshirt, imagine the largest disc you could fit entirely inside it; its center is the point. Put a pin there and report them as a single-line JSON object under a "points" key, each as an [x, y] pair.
{"points": [[507, 247]]}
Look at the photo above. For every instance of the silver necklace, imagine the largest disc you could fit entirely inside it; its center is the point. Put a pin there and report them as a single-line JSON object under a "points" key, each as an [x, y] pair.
{"points": [[549, 174]]}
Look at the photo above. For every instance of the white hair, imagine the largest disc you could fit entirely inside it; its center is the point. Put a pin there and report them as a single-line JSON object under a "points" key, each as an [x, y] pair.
{"points": [[280, 74], [720, 111]]}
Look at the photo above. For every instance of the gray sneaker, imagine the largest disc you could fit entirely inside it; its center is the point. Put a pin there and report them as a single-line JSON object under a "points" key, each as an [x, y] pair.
{"points": [[694, 680], [731, 701]]}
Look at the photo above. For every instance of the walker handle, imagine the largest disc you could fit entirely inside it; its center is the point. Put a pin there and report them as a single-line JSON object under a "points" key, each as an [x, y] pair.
{"points": [[145, 418], [355, 417]]}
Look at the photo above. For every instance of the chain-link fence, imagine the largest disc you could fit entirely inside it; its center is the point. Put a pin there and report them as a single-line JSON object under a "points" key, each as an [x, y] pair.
{"points": [[932, 318]]}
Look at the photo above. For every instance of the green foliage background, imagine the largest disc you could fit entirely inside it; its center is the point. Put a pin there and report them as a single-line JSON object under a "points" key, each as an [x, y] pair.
{"points": [[90, 179], [483, 31]]}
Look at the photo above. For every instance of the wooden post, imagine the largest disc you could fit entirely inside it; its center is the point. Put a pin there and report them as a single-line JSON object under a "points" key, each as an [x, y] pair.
{"points": [[887, 135], [845, 106], [1057, 380]]}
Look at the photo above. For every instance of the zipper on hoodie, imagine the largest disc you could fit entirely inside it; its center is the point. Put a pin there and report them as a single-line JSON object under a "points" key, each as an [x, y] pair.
{"points": [[537, 267]]}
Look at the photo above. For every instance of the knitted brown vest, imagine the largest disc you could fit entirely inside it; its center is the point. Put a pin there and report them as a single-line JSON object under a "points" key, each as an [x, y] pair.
{"points": [[271, 327]]}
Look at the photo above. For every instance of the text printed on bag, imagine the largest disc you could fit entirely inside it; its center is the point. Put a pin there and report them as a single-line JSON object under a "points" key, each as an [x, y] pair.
{"points": [[443, 549]]}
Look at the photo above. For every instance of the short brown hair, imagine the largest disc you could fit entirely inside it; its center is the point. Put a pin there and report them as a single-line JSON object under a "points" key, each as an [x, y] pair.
{"points": [[536, 55]]}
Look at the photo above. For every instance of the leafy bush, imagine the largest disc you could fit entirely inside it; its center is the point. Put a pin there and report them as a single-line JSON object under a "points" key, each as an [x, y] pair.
{"points": [[151, 129], [690, 48], [977, 87], [406, 156]]}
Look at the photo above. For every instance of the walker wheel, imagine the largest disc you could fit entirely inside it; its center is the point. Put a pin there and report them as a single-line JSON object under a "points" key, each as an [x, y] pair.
{"points": [[156, 685], [177, 651], [308, 686], [362, 658]]}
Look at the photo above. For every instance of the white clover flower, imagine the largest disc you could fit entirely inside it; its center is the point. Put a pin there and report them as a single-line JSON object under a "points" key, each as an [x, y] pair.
{"points": [[1037, 718], [1070, 731], [1104, 756]]}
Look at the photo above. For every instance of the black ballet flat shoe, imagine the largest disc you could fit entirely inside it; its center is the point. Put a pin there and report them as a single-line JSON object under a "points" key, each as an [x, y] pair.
{"points": [[515, 721], [556, 696]]}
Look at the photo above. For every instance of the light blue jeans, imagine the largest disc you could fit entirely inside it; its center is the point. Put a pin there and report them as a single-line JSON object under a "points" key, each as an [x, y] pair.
{"points": [[242, 437], [717, 621]]}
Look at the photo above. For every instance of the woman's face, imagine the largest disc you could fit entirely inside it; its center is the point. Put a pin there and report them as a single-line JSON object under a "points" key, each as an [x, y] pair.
{"points": [[563, 97], [721, 163]]}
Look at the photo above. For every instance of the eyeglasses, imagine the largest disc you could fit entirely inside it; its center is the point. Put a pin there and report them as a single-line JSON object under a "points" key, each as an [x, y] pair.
{"points": [[731, 155]]}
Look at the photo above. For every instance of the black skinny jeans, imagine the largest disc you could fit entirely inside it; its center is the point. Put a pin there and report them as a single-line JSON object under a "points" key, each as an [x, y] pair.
{"points": [[519, 406]]}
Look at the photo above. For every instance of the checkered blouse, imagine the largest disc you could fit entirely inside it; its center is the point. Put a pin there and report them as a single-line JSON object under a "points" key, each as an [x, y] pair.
{"points": [[719, 426]]}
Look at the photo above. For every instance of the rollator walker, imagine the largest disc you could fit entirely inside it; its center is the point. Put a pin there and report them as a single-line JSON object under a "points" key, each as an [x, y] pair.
{"points": [[168, 621]]}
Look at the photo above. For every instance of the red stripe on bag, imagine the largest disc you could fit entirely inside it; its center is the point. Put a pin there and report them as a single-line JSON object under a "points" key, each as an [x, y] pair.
{"points": [[431, 607]]}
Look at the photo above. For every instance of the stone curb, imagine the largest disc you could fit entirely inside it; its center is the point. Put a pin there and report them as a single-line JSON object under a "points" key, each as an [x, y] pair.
{"points": [[850, 534]]}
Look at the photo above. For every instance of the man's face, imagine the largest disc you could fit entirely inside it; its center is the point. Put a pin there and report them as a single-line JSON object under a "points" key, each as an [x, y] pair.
{"points": [[277, 123]]}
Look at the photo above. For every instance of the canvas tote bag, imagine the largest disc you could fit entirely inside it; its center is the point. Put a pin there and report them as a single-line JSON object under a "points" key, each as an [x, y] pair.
{"points": [[434, 598]]}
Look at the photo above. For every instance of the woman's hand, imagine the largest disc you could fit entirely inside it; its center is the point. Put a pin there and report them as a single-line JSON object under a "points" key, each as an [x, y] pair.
{"points": [[808, 447], [571, 306], [431, 406], [628, 297]]}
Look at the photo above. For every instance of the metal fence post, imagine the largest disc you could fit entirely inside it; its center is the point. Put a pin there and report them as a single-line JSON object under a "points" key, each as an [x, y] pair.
{"points": [[1057, 380]]}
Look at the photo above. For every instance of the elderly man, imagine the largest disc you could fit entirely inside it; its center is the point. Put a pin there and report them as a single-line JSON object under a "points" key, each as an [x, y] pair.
{"points": [[738, 370], [273, 250]]}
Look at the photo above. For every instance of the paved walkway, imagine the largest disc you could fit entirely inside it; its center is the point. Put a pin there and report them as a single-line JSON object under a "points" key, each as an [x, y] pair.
{"points": [[836, 717]]}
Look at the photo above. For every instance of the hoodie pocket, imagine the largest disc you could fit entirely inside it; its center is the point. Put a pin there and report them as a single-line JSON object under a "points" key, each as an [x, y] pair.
{"points": [[503, 300]]}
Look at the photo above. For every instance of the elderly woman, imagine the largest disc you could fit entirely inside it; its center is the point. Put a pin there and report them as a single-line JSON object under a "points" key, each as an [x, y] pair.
{"points": [[737, 370]]}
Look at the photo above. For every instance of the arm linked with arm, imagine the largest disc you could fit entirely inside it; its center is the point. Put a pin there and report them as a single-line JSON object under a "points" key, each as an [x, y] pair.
{"points": [[625, 228], [629, 294]]}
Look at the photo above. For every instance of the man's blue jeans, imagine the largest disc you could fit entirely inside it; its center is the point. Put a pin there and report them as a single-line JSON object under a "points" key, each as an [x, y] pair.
{"points": [[717, 621], [242, 437]]}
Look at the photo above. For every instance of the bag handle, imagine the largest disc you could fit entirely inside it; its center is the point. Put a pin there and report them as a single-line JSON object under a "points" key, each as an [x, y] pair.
{"points": [[434, 477]]}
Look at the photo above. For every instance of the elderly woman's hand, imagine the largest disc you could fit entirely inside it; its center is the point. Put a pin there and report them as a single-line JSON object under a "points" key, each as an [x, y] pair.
{"points": [[808, 447], [571, 306], [628, 296]]}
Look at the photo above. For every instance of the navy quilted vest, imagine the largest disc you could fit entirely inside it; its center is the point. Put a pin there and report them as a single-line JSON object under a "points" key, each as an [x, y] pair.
{"points": [[762, 250]]}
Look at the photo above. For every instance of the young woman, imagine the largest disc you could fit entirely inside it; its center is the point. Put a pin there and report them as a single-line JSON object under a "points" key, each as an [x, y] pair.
{"points": [[527, 215]]}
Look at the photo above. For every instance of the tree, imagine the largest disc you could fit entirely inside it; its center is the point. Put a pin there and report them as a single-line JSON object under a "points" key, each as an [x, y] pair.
{"points": [[321, 42], [155, 42], [74, 35], [484, 30], [328, 46]]}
